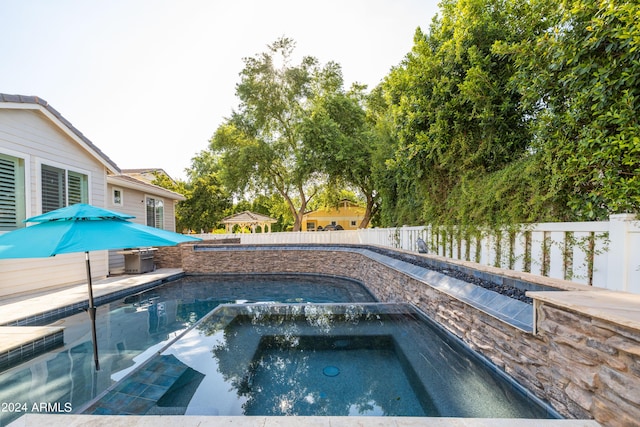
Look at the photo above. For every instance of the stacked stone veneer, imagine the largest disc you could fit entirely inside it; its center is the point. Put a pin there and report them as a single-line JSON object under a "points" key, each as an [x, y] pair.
{"points": [[584, 367], [168, 257], [591, 364], [171, 256]]}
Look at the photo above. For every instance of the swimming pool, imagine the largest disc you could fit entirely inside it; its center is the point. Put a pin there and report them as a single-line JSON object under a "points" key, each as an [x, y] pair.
{"points": [[133, 328], [318, 359]]}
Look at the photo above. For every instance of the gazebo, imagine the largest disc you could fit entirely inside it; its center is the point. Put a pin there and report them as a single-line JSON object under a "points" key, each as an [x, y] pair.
{"points": [[249, 219]]}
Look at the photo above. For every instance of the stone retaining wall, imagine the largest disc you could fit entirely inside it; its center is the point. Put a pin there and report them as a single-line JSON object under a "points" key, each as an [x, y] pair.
{"points": [[168, 257], [171, 256], [591, 363], [585, 367]]}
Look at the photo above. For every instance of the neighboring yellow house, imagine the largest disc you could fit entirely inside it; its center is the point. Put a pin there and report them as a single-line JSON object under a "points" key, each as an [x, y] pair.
{"points": [[347, 216]]}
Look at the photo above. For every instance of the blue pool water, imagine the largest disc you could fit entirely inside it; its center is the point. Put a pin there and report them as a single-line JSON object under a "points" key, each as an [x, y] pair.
{"points": [[132, 329], [318, 359]]}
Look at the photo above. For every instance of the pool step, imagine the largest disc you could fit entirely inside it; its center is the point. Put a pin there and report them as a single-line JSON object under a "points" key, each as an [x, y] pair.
{"points": [[20, 343], [144, 390]]}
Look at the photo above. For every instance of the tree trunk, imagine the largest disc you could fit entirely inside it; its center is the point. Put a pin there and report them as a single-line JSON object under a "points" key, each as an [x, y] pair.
{"points": [[296, 213], [297, 224], [368, 213]]}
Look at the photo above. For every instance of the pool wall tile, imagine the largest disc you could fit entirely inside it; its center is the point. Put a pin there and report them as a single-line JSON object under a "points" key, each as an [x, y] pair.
{"points": [[153, 392], [30, 349], [139, 391]]}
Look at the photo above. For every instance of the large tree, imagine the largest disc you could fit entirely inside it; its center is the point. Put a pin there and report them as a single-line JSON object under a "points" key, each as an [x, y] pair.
{"points": [[514, 111], [452, 112], [261, 145], [341, 142], [207, 201], [582, 74]]}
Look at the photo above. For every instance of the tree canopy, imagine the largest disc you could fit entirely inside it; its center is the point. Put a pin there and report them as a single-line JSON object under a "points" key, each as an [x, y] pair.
{"points": [[582, 74], [207, 201], [341, 143], [504, 111], [454, 116], [512, 111], [261, 145]]}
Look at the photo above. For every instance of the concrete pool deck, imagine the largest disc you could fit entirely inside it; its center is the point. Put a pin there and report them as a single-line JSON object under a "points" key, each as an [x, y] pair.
{"points": [[25, 305], [37, 420], [20, 340], [21, 306]]}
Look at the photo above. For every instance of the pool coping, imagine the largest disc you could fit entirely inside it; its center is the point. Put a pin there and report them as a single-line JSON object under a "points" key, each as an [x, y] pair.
{"points": [[105, 291], [66, 420]]}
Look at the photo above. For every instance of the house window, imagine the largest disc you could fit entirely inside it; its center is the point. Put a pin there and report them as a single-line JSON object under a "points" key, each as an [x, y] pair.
{"points": [[61, 187], [353, 223], [311, 226], [117, 197], [78, 188], [155, 212], [12, 193]]}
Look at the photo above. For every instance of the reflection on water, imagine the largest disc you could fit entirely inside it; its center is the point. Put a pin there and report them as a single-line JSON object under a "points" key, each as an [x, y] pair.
{"points": [[367, 378], [383, 359], [276, 356], [130, 329]]}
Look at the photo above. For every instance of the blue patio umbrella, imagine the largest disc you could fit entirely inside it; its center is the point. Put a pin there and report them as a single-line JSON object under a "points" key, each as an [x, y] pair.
{"points": [[83, 228]]}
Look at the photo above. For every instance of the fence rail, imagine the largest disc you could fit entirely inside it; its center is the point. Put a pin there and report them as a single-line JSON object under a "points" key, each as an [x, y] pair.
{"points": [[604, 254]]}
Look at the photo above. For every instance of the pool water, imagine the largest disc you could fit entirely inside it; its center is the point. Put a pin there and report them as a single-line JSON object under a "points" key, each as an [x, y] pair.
{"points": [[315, 376], [132, 329], [319, 359]]}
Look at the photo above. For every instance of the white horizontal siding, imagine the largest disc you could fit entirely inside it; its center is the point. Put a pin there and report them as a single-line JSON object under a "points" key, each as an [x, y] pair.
{"points": [[169, 215], [29, 275], [31, 135], [134, 203]]}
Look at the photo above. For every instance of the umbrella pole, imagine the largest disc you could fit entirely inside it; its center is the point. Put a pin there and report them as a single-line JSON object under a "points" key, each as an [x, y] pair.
{"points": [[92, 313]]}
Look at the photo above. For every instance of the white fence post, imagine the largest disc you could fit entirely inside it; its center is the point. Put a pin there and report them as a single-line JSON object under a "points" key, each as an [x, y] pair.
{"points": [[633, 249], [604, 254], [618, 256], [520, 251], [557, 243]]}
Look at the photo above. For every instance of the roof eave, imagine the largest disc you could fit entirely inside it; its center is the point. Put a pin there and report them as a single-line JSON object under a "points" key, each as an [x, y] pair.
{"points": [[135, 184], [20, 102]]}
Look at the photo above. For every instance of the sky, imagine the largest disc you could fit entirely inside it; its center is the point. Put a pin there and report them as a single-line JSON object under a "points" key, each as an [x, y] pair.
{"points": [[149, 81]]}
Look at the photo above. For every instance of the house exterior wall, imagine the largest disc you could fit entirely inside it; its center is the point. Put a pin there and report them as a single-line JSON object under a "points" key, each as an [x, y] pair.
{"points": [[30, 135], [133, 202]]}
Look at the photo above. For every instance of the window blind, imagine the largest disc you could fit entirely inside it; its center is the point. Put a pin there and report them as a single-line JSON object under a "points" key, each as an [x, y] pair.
{"points": [[53, 188], [8, 191]]}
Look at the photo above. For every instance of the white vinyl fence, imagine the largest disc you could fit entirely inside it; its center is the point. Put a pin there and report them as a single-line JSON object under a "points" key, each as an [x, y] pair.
{"points": [[603, 254]]}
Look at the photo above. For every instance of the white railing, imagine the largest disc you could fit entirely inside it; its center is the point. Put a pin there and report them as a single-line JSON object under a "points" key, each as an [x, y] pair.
{"points": [[604, 254]]}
